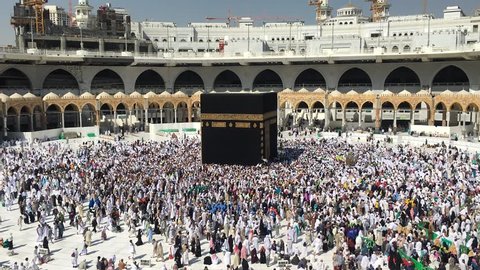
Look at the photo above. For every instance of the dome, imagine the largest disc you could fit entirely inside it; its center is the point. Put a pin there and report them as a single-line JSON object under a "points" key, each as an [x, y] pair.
{"points": [[69, 95], [4, 98], [463, 92], [120, 95], [180, 94], [136, 95], [50, 95], [335, 93], [288, 90], [386, 93], [150, 94], [447, 93], [369, 92], [29, 95], [423, 93], [87, 95], [319, 90], [16, 96], [404, 93], [303, 90], [352, 92], [103, 95], [198, 93]]}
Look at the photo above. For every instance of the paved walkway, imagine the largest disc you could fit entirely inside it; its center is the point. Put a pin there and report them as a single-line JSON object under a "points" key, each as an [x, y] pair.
{"points": [[117, 243]]}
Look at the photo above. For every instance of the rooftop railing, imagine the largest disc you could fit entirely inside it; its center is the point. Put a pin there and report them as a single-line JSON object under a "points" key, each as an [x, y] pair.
{"points": [[14, 52]]}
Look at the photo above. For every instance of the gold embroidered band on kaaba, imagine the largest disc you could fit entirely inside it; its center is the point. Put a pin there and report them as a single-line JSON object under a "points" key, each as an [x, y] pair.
{"points": [[238, 117]]}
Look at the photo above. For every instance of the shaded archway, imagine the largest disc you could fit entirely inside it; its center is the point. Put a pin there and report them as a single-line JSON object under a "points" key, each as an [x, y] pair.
{"points": [[387, 116], [421, 114], [149, 81], [72, 116], [196, 111], [302, 115], [54, 116], [335, 118], [182, 112], [14, 79], [37, 118], [188, 82], [454, 117], [355, 79], [318, 114], [440, 117], [61, 79], [12, 120], [137, 117], [404, 116], [352, 114], [227, 80], [472, 119], [107, 80], [154, 113], [310, 79], [106, 118], [367, 114], [451, 78], [268, 80], [25, 119], [89, 116], [402, 78], [168, 113], [121, 118]]}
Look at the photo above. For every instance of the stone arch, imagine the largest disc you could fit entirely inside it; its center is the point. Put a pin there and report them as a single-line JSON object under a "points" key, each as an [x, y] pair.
{"points": [[441, 108], [107, 80], [89, 115], [12, 120], [37, 117], [53, 116], [60, 79], [452, 78], [367, 112], [387, 115], [182, 112], [402, 78], [310, 79], [13, 78], [422, 113], [154, 113], [354, 78], [188, 82], [267, 80], [196, 111], [472, 114], [149, 80], [455, 114], [25, 119], [352, 111], [71, 116], [168, 112], [227, 80], [301, 105]]}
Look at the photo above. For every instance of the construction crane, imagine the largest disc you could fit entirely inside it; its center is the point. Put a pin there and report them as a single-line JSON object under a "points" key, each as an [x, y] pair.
{"points": [[318, 9], [37, 5], [379, 9], [322, 10]]}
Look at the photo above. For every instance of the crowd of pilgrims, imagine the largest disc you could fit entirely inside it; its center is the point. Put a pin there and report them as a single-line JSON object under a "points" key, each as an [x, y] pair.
{"points": [[397, 207]]}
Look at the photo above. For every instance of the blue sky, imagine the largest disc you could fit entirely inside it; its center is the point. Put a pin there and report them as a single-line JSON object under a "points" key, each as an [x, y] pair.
{"points": [[185, 11]]}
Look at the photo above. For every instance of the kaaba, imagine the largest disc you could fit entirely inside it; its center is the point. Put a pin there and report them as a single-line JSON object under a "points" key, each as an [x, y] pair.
{"points": [[238, 128]]}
